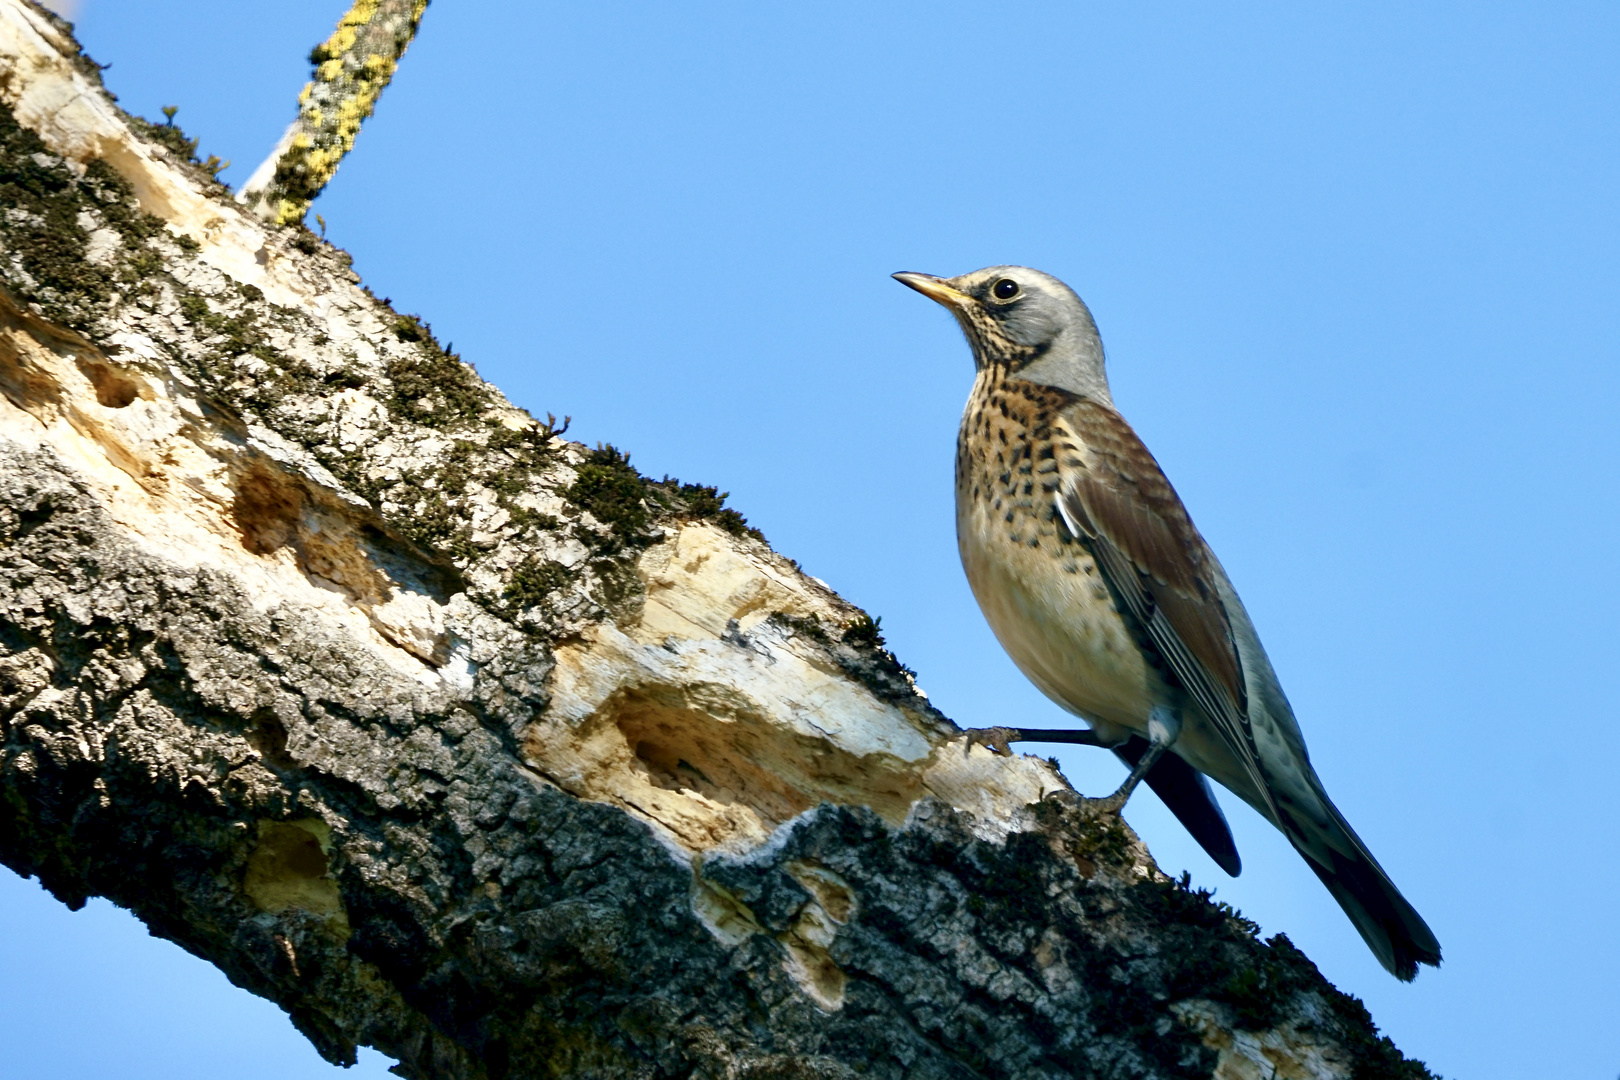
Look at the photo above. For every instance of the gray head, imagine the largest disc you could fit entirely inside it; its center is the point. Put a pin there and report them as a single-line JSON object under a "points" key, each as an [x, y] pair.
{"points": [[1026, 321]]}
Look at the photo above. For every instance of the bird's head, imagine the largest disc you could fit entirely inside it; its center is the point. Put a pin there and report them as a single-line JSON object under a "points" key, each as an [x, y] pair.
{"points": [[1026, 321]]}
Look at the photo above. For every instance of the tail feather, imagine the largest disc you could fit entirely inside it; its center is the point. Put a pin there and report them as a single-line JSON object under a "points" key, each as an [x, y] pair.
{"points": [[1389, 925], [1394, 931]]}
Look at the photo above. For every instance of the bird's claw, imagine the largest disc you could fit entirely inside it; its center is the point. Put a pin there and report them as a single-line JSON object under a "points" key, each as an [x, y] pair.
{"points": [[994, 739], [1110, 805]]}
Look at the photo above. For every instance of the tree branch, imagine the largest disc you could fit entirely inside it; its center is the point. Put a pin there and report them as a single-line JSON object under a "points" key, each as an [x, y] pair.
{"points": [[352, 68], [471, 744]]}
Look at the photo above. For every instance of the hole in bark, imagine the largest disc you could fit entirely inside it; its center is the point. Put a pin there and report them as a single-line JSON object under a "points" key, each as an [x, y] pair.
{"points": [[266, 510], [268, 735], [685, 750], [290, 853], [32, 517], [288, 868], [809, 940], [113, 389], [399, 592], [497, 1059], [721, 764], [708, 764], [403, 563]]}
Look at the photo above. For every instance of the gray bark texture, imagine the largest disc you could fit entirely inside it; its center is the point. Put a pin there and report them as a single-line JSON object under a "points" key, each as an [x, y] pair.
{"points": [[465, 742]]}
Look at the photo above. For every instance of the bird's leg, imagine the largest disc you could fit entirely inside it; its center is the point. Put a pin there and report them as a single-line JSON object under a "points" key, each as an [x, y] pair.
{"points": [[1163, 728], [997, 738]]}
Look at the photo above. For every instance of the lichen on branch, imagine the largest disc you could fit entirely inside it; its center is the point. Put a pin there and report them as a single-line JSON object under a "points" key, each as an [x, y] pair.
{"points": [[352, 68]]}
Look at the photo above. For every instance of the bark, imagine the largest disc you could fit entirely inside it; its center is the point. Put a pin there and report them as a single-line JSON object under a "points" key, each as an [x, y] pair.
{"points": [[462, 741]]}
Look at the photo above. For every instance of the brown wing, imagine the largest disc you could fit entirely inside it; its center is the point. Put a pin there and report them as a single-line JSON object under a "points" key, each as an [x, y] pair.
{"points": [[1121, 504]]}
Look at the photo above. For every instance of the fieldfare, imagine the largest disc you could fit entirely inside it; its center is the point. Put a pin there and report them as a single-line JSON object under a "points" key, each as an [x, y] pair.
{"points": [[1096, 582]]}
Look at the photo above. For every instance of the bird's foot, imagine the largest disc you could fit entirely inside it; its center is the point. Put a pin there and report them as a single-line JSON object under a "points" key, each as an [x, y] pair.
{"points": [[994, 739], [1110, 805], [1113, 804]]}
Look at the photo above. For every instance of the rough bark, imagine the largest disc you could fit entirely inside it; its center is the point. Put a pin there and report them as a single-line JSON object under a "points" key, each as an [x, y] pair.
{"points": [[462, 741]]}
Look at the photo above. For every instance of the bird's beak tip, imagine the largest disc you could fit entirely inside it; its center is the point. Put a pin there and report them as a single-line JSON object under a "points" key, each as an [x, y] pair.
{"points": [[935, 288]]}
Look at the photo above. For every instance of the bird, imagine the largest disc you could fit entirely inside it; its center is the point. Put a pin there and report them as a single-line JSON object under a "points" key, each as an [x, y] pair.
{"points": [[1094, 579]]}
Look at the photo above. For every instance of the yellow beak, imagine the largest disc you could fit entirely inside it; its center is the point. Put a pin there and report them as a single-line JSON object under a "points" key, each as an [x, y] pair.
{"points": [[936, 289]]}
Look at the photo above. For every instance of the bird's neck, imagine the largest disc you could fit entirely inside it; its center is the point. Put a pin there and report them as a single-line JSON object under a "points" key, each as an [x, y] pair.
{"points": [[1064, 381], [1071, 363]]}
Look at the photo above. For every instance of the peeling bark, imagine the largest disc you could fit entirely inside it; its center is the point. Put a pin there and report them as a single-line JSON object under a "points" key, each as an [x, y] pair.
{"points": [[465, 742]]}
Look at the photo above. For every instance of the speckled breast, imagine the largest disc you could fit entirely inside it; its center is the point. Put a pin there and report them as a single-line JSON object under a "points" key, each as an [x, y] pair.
{"points": [[1036, 584]]}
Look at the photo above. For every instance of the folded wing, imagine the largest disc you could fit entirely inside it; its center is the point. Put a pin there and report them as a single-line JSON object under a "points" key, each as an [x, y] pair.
{"points": [[1115, 499]]}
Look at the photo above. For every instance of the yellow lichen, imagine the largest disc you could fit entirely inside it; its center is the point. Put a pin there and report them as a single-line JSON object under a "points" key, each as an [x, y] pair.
{"points": [[353, 67]]}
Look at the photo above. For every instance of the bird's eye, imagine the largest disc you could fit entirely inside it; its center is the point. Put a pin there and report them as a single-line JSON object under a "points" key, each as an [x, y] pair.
{"points": [[1005, 289]]}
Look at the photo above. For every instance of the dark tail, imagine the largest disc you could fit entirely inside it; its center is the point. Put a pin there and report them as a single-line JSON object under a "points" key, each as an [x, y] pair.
{"points": [[1389, 925], [1188, 796]]}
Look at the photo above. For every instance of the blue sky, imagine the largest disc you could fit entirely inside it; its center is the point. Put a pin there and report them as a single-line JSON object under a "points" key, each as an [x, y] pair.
{"points": [[1356, 270]]}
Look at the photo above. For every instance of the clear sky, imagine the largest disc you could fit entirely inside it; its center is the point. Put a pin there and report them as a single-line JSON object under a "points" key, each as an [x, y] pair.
{"points": [[1356, 270]]}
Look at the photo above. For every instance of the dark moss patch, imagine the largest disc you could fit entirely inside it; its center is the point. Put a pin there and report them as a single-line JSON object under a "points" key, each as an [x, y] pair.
{"points": [[1375, 1056], [521, 517], [167, 135], [533, 581], [46, 241], [1011, 889], [344, 379], [864, 632], [1106, 842], [1216, 954], [305, 240], [865, 635], [439, 526], [702, 502], [1182, 903], [614, 494], [617, 495], [859, 652], [235, 333], [411, 328], [432, 386], [1258, 992], [802, 627]]}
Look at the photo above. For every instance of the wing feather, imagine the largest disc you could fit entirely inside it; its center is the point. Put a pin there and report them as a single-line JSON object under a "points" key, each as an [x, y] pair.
{"points": [[1118, 501], [1114, 499]]}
